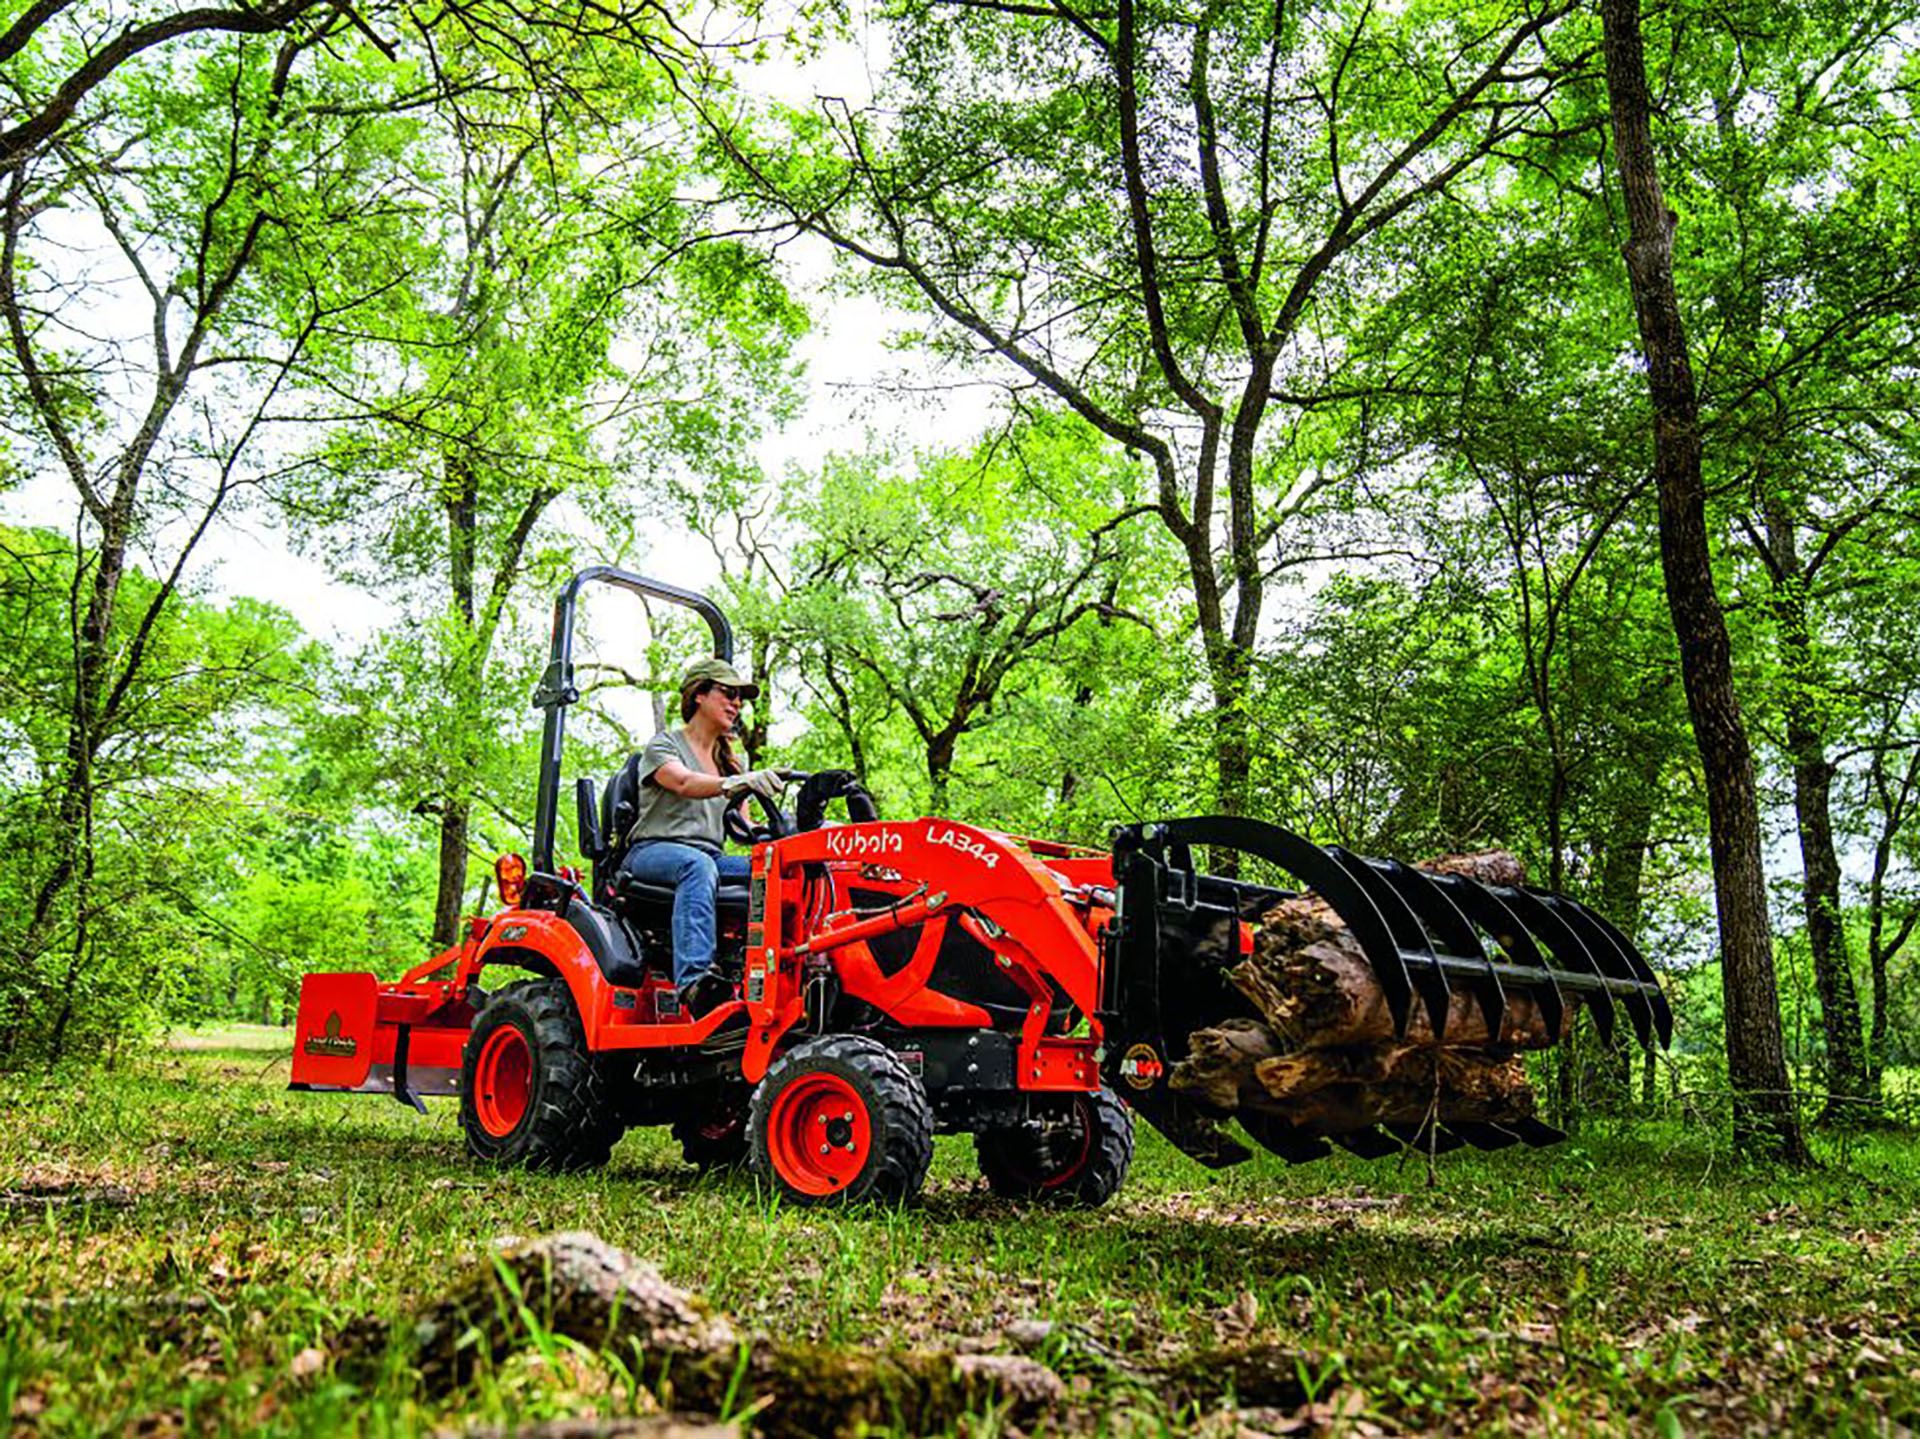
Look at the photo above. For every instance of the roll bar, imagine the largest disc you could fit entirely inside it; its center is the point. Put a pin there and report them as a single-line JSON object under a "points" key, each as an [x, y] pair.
{"points": [[557, 689]]}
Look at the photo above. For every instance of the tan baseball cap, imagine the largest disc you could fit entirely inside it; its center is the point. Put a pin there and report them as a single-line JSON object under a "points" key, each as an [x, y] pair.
{"points": [[714, 670]]}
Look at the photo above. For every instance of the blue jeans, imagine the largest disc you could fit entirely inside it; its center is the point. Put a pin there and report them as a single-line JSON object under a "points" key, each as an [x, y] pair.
{"points": [[694, 875]]}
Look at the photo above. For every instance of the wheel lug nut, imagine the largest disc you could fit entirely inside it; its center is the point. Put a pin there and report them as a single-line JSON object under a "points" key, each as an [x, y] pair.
{"points": [[826, 1149]]}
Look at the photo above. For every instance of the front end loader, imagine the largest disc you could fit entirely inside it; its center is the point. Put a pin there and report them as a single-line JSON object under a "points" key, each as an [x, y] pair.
{"points": [[895, 979]]}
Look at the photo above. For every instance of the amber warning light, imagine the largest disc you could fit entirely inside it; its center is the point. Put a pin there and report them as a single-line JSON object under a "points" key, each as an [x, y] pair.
{"points": [[510, 873]]}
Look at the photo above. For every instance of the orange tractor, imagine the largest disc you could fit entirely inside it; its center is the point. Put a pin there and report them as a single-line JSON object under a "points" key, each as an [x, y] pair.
{"points": [[896, 979]]}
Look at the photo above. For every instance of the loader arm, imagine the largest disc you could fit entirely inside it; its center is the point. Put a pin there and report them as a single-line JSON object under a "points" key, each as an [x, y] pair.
{"points": [[1178, 934]]}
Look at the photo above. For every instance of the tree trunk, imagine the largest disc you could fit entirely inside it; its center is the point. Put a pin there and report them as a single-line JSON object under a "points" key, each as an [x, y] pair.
{"points": [[1070, 777], [449, 898], [755, 737], [1763, 1113], [1894, 798], [89, 684], [1850, 1089], [939, 771], [1607, 1071], [467, 671], [1232, 744]]}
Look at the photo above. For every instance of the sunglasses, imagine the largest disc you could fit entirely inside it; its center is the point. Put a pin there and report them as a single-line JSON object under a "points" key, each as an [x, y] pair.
{"points": [[727, 690]]}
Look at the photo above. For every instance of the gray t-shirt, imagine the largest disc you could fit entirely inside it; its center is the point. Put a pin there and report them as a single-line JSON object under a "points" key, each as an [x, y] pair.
{"points": [[666, 815]]}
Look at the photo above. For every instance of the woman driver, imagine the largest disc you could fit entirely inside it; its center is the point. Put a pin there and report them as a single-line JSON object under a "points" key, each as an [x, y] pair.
{"points": [[688, 777]]}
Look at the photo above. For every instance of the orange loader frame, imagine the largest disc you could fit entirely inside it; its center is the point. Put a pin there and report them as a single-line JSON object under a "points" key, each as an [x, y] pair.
{"points": [[1038, 907]]}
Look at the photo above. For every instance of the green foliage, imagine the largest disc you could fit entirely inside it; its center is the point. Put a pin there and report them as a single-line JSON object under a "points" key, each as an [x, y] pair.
{"points": [[167, 789], [955, 624]]}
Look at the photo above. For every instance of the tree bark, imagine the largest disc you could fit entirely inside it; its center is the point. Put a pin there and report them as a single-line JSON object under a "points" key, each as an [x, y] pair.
{"points": [[940, 752], [1851, 1090], [1893, 796], [467, 670], [1608, 1068], [1764, 1120]]}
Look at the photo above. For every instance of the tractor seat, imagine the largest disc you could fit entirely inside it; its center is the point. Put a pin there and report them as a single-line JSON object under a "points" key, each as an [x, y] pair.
{"points": [[602, 825], [729, 900]]}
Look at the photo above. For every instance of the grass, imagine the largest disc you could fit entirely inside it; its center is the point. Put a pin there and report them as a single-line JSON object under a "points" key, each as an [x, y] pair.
{"points": [[181, 1243]]}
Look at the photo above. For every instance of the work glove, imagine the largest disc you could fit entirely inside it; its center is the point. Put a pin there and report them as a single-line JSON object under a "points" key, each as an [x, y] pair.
{"points": [[767, 783]]}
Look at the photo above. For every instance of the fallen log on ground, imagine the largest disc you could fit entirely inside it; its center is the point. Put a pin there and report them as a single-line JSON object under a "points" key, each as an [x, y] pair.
{"points": [[1325, 1054], [578, 1286]]}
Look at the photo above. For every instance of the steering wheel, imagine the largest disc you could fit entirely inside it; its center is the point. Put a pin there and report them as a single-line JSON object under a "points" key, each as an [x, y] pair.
{"points": [[823, 786], [741, 829]]}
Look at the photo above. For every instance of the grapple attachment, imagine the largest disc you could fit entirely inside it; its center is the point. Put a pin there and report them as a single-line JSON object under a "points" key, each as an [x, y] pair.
{"points": [[1449, 952]]}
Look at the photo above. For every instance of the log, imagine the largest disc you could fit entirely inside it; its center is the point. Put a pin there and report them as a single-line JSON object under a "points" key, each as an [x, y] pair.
{"points": [[1317, 990], [1326, 1057], [577, 1285]]}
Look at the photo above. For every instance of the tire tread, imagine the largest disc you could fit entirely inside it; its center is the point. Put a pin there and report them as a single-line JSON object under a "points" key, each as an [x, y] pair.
{"points": [[1099, 1179], [575, 1124], [904, 1118]]}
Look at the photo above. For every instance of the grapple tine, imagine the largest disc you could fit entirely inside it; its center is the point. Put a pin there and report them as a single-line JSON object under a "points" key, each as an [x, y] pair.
{"points": [[1568, 949], [1485, 908], [1642, 971], [1317, 870], [1537, 1133], [1612, 960], [1371, 1143], [1281, 1136], [1482, 1135], [1450, 929], [1409, 937]]}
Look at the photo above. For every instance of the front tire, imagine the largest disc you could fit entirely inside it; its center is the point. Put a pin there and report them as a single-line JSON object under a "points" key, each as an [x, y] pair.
{"points": [[1079, 1157], [531, 1094], [840, 1119]]}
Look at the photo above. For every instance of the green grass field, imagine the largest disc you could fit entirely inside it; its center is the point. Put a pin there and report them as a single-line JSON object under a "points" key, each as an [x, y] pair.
{"points": [[181, 1245]]}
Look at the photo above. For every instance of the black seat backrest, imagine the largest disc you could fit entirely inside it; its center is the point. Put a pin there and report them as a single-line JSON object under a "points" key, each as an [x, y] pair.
{"points": [[620, 806], [586, 809], [603, 843]]}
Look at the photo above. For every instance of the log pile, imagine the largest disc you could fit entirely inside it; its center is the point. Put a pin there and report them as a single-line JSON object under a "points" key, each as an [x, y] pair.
{"points": [[1324, 1057]]}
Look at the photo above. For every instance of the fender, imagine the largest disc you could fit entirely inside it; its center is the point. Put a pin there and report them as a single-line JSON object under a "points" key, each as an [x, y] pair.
{"points": [[549, 937]]}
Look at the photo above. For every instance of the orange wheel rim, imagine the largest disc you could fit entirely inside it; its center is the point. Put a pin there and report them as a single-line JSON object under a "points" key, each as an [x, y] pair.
{"points": [[819, 1134], [503, 1081]]}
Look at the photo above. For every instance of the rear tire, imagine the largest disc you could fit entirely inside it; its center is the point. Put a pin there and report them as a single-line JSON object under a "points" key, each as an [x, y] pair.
{"points": [[1080, 1160], [840, 1119], [531, 1094]]}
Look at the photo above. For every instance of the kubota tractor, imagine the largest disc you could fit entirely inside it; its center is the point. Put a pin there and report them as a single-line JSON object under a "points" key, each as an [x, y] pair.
{"points": [[903, 978]]}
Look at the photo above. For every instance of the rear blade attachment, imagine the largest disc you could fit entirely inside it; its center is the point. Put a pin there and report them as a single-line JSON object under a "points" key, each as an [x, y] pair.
{"points": [[1501, 966]]}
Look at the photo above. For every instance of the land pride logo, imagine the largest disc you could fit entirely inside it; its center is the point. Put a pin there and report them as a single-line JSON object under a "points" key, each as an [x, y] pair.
{"points": [[1141, 1066], [332, 1042]]}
